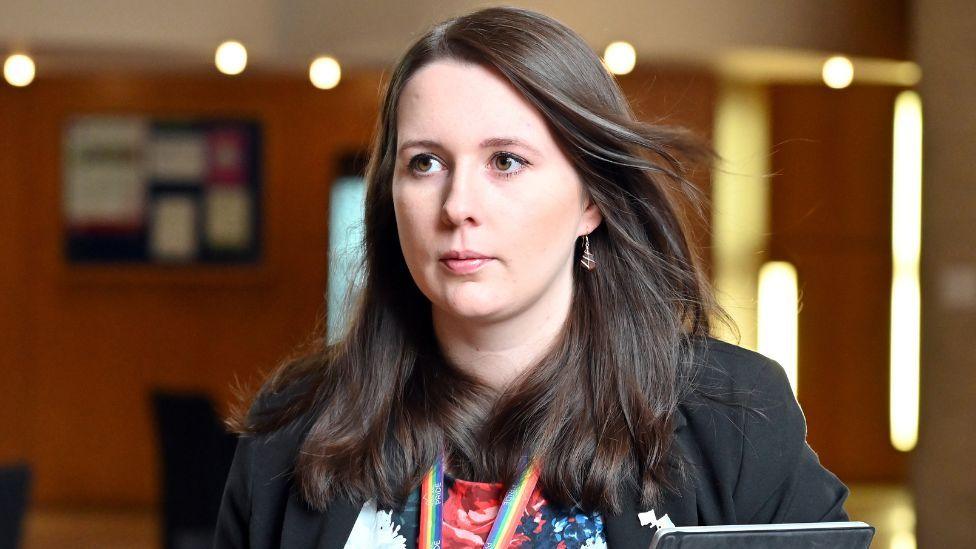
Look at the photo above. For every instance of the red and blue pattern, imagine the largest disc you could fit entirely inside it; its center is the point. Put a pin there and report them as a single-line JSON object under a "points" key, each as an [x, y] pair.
{"points": [[471, 508]]}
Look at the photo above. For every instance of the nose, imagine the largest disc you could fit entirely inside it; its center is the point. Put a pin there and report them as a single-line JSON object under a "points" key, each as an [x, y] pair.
{"points": [[461, 202]]}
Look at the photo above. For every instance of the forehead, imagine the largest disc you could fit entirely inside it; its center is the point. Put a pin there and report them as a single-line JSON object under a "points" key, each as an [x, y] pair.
{"points": [[449, 99]]}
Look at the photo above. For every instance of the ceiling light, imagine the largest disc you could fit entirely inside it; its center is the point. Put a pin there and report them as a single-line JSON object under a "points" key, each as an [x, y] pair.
{"points": [[620, 57], [231, 57], [324, 73], [838, 72], [19, 70]]}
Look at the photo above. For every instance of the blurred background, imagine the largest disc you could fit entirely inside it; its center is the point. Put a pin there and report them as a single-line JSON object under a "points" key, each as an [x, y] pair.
{"points": [[180, 187]]}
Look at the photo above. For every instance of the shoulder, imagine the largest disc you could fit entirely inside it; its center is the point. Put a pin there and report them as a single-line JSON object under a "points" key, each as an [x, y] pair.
{"points": [[727, 366], [743, 422], [260, 479], [279, 445], [749, 389], [729, 377], [747, 439], [268, 456]]}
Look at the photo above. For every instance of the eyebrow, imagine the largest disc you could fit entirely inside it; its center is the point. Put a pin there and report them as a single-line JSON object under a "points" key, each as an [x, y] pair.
{"points": [[491, 142]]}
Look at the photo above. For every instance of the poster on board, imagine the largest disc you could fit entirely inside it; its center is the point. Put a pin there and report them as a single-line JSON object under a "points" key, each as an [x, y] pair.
{"points": [[148, 190]]}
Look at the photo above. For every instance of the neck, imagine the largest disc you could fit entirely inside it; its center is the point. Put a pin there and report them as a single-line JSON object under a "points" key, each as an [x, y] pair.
{"points": [[497, 352]]}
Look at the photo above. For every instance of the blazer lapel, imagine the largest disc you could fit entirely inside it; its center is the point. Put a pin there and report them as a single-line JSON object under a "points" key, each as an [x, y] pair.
{"points": [[307, 528], [624, 530]]}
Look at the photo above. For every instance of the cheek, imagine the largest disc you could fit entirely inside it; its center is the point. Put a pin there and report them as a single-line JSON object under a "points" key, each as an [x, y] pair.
{"points": [[545, 224], [414, 223]]}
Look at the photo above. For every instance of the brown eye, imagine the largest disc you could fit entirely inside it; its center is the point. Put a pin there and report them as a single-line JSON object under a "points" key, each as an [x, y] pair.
{"points": [[424, 164], [507, 163]]}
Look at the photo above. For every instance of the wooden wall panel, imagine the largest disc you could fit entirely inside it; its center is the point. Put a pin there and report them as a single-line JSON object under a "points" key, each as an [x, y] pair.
{"points": [[685, 98], [84, 345], [831, 218], [101, 337], [15, 377]]}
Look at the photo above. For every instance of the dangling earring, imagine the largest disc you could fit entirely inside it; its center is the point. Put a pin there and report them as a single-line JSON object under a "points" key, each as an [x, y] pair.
{"points": [[587, 260]]}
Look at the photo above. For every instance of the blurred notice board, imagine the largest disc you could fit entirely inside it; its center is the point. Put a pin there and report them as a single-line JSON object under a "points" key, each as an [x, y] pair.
{"points": [[173, 191]]}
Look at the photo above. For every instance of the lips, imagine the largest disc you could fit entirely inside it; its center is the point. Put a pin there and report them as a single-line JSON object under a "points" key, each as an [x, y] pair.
{"points": [[464, 261], [464, 254]]}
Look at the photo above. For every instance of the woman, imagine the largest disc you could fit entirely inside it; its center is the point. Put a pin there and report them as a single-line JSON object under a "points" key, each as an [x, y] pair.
{"points": [[529, 360]]}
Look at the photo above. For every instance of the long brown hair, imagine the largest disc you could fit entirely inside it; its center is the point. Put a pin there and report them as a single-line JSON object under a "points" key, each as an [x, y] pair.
{"points": [[598, 409]]}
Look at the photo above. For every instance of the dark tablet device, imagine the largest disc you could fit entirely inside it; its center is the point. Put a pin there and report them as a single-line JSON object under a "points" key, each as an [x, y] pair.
{"points": [[835, 535]]}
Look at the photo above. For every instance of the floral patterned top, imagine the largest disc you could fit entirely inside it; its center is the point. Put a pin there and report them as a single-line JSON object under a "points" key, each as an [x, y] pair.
{"points": [[469, 513]]}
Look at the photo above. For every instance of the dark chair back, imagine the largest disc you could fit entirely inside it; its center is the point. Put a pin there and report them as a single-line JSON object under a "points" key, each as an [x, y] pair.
{"points": [[196, 453], [14, 488]]}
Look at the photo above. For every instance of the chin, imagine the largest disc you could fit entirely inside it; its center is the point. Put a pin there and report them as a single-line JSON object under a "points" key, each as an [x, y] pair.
{"points": [[471, 308], [474, 311]]}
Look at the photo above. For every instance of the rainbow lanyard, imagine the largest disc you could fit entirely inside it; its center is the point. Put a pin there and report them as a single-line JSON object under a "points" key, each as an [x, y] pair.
{"points": [[432, 503]]}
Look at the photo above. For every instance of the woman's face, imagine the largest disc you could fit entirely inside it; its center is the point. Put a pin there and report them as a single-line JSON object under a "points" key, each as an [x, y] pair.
{"points": [[488, 208]]}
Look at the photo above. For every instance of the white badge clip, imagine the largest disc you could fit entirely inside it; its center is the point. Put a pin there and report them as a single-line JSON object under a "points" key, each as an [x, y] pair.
{"points": [[649, 518]]}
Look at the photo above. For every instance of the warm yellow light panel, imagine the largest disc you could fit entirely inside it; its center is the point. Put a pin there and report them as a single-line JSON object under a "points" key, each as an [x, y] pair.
{"points": [[740, 205], [906, 247], [778, 310]]}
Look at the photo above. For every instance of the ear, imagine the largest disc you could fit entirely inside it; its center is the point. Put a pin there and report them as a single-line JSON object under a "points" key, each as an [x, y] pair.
{"points": [[590, 219]]}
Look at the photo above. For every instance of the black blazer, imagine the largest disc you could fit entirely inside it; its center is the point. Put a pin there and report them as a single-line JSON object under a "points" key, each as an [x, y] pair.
{"points": [[749, 464]]}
